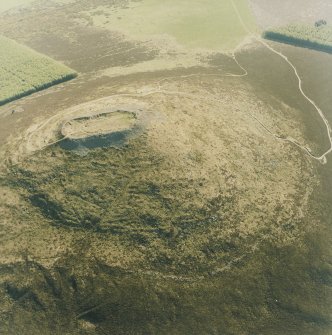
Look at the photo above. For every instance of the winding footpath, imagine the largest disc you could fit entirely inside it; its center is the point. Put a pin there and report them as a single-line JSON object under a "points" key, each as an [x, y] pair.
{"points": [[321, 158]]}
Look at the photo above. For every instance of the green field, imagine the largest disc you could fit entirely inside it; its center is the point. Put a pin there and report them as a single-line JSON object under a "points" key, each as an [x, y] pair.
{"points": [[212, 24], [24, 71], [318, 38]]}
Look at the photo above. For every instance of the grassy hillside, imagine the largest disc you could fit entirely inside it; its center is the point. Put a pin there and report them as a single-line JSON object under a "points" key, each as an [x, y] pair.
{"points": [[318, 38], [24, 71], [147, 254]]}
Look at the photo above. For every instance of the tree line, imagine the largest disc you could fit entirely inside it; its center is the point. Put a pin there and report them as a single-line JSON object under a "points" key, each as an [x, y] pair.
{"points": [[318, 37]]}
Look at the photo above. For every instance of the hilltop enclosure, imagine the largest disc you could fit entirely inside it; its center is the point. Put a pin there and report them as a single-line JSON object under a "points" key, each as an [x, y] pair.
{"points": [[24, 71], [180, 185]]}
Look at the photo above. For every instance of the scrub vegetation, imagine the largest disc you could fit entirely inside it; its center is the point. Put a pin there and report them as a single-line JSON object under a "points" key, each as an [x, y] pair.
{"points": [[143, 254], [24, 71]]}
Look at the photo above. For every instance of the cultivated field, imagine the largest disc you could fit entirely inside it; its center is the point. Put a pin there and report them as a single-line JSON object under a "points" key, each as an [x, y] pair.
{"points": [[319, 38], [24, 71]]}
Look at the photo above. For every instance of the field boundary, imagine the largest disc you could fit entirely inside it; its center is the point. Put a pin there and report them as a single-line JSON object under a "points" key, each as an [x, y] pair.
{"points": [[298, 42], [38, 88]]}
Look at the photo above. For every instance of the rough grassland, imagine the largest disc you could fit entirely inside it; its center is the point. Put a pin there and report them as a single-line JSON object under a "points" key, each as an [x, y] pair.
{"points": [[9, 4], [318, 38], [194, 24], [24, 71]]}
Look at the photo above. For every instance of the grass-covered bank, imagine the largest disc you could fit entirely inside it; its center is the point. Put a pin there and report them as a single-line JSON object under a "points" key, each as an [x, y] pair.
{"points": [[317, 38]]}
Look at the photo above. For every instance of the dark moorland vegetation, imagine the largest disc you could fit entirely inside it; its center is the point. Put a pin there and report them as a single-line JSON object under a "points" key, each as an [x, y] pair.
{"points": [[318, 37]]}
